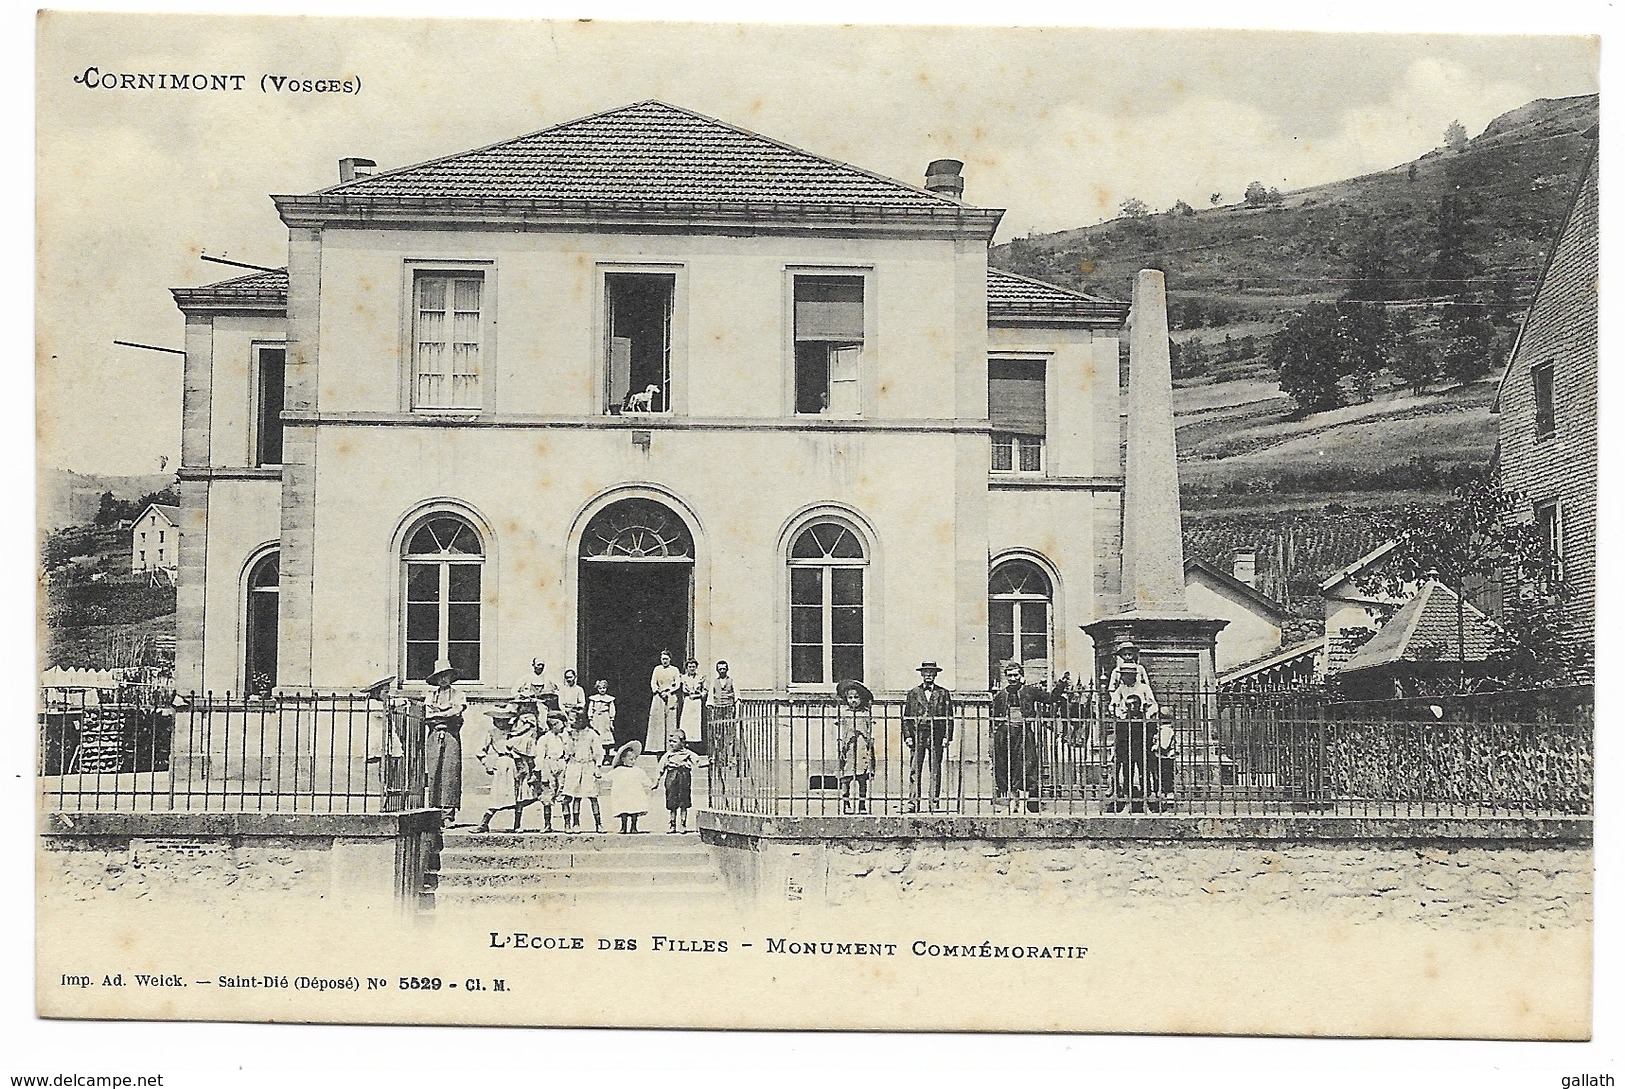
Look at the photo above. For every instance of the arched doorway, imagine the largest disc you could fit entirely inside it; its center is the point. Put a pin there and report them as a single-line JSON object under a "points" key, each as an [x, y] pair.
{"points": [[636, 599]]}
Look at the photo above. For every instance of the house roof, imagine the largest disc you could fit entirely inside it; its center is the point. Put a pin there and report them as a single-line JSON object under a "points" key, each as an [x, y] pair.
{"points": [[1226, 580], [1426, 630], [1359, 566], [1016, 299], [646, 160], [168, 510], [1275, 658], [1008, 297], [1585, 193], [256, 291]]}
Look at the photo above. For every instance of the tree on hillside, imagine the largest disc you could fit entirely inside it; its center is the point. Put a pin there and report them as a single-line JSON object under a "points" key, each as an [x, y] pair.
{"points": [[1325, 344], [1256, 196], [1304, 353], [1274, 196], [1180, 208], [1371, 262], [1455, 136], [110, 510], [1470, 343], [1455, 263], [1410, 172], [1215, 198], [1416, 353], [1134, 208]]}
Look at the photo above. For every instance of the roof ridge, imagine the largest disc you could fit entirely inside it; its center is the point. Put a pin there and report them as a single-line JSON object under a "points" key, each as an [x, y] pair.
{"points": [[485, 147], [743, 131], [239, 279]]}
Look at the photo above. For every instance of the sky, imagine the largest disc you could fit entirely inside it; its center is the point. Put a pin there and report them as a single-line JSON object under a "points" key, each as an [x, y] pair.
{"points": [[1057, 125]]}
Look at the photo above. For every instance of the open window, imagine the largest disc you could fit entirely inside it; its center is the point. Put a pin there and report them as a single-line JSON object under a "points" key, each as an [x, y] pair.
{"points": [[1017, 411], [639, 341], [1541, 375], [829, 344]]}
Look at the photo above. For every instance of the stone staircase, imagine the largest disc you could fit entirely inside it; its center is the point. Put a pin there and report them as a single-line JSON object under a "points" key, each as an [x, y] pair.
{"points": [[582, 869]]}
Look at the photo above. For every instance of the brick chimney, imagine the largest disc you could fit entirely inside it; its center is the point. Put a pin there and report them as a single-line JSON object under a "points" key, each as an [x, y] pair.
{"points": [[351, 169], [944, 178]]}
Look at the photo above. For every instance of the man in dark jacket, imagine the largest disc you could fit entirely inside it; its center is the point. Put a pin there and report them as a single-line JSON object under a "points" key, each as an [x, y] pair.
{"points": [[928, 726], [1016, 710]]}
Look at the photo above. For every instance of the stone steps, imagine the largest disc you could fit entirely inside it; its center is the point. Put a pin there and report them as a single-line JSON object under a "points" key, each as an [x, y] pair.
{"points": [[611, 870]]}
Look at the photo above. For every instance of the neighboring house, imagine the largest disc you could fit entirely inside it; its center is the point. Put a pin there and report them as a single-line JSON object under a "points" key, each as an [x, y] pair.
{"points": [[1255, 620], [1436, 644], [155, 539], [645, 380], [1352, 611], [1289, 669], [1547, 402]]}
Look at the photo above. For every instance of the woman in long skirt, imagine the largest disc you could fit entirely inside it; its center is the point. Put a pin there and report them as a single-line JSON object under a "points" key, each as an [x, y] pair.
{"points": [[663, 707], [506, 757], [691, 699], [443, 712]]}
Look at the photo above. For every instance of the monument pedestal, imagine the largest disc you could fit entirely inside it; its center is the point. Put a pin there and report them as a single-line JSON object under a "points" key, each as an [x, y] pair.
{"points": [[1177, 651]]}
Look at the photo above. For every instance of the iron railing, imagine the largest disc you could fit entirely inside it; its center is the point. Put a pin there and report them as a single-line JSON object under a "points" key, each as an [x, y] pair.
{"points": [[784, 757], [130, 750]]}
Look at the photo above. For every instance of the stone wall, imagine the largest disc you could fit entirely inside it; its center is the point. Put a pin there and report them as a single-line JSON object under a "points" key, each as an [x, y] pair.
{"points": [[1448, 873], [244, 862]]}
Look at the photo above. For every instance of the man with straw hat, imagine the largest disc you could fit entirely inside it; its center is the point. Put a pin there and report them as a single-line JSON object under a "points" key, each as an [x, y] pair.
{"points": [[928, 726], [443, 711]]}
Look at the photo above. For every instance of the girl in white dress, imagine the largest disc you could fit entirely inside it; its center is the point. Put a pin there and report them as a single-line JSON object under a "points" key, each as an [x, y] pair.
{"points": [[581, 776], [629, 788]]}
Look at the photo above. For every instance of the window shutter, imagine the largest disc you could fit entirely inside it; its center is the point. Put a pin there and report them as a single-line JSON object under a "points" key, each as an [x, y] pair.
{"points": [[1015, 396], [829, 308]]}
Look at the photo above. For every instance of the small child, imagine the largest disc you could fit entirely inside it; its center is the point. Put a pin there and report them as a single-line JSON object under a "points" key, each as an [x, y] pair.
{"points": [[549, 763], [676, 770], [856, 741], [601, 713], [509, 767], [629, 787], [581, 776]]}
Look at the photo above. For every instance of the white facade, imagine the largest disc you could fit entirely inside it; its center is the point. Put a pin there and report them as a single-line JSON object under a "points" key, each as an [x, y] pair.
{"points": [[155, 540]]}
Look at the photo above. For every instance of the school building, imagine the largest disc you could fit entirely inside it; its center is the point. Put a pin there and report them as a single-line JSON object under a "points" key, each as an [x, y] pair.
{"points": [[648, 380]]}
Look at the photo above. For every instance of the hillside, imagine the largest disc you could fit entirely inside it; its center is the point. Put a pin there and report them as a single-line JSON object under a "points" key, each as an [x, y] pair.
{"points": [[1303, 489], [67, 498], [1260, 262], [96, 614]]}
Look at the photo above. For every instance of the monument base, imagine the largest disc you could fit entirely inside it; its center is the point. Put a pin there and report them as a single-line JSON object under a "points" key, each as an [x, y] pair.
{"points": [[1176, 651]]}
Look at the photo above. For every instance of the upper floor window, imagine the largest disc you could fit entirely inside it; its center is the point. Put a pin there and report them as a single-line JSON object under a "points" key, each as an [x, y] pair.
{"points": [[447, 339], [1017, 412], [639, 305], [270, 366], [829, 344], [443, 563], [827, 564], [1541, 375], [1549, 523]]}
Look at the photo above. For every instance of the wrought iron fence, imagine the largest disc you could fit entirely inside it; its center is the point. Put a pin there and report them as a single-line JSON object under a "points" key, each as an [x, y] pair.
{"points": [[798, 757], [129, 750]]}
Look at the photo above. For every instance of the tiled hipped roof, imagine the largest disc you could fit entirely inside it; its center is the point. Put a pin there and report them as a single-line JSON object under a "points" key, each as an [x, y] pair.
{"points": [[1016, 298], [256, 291], [1430, 628], [1008, 296], [648, 155]]}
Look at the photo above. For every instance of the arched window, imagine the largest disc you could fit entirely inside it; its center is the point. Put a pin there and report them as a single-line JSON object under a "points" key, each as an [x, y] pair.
{"points": [[260, 624], [1018, 615], [827, 562], [442, 561]]}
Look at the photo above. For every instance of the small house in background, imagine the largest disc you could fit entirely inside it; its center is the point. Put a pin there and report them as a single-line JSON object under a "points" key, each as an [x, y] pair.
{"points": [[1353, 613], [1255, 619], [1438, 643], [155, 539]]}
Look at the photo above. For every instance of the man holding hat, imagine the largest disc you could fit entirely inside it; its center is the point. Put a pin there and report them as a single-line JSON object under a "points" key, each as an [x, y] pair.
{"points": [[928, 726]]}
